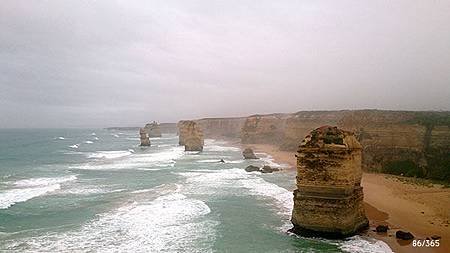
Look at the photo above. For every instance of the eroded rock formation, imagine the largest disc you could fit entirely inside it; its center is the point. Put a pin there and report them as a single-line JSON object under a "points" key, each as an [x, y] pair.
{"points": [[190, 135], [145, 141], [328, 200], [153, 129], [249, 154]]}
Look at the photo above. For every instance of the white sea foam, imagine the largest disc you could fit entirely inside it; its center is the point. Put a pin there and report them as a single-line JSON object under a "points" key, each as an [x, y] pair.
{"points": [[88, 142], [364, 244], [134, 161], [170, 223], [209, 161], [44, 181], [217, 148], [211, 181], [13, 196], [96, 138], [109, 154], [75, 146], [115, 135], [30, 188], [93, 134], [61, 138]]}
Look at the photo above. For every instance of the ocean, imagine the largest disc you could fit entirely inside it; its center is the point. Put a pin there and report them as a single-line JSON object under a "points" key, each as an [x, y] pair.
{"points": [[97, 190]]}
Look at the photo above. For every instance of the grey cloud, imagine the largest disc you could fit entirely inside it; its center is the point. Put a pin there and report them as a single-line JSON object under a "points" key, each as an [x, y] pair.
{"points": [[102, 63]]}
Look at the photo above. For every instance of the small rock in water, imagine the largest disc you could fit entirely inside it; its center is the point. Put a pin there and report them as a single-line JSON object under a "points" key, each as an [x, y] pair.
{"points": [[221, 161], [268, 169], [248, 154], [251, 168], [404, 235], [382, 228]]}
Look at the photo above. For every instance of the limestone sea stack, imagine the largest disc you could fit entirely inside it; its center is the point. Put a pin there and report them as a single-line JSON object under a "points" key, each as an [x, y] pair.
{"points": [[145, 141], [190, 135], [153, 129], [328, 201]]}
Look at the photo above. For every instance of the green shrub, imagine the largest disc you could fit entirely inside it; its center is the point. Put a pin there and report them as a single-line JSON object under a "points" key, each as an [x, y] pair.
{"points": [[406, 168]]}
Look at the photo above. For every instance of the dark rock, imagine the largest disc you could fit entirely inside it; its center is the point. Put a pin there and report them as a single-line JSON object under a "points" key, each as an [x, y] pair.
{"points": [[248, 154], [145, 141], [404, 235], [251, 168], [221, 161], [436, 237], [268, 169], [382, 228]]}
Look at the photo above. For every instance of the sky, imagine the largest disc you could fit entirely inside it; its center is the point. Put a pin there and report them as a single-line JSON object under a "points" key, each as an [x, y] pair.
{"points": [[124, 63]]}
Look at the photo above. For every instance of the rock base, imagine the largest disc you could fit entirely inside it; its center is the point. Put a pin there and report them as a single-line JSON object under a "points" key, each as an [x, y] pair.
{"points": [[322, 214]]}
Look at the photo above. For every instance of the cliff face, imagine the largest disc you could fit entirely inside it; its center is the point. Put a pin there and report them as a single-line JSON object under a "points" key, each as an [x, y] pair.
{"points": [[387, 136], [221, 127], [168, 128], [329, 199], [399, 142], [190, 135], [153, 129], [264, 128]]}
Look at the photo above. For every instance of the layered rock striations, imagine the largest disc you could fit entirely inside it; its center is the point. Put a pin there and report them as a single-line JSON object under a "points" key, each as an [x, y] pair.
{"points": [[267, 129], [399, 142], [221, 127], [153, 129], [190, 135], [145, 141], [328, 200]]}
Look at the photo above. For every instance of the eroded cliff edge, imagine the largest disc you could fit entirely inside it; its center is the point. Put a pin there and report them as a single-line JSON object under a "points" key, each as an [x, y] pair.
{"points": [[397, 142]]}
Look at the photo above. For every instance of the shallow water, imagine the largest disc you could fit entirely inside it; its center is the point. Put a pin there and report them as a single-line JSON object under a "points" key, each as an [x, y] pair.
{"points": [[68, 190]]}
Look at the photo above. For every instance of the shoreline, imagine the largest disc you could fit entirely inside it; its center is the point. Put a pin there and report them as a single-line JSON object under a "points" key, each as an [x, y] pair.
{"points": [[388, 200]]}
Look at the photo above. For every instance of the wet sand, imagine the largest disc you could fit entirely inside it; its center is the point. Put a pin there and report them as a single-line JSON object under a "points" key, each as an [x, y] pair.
{"points": [[420, 209]]}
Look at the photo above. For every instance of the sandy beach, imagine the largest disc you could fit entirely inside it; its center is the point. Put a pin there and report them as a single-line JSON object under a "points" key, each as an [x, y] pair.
{"points": [[399, 202]]}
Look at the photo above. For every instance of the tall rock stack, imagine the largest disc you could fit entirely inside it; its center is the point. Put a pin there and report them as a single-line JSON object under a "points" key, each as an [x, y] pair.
{"points": [[328, 200], [145, 141], [153, 129], [190, 135]]}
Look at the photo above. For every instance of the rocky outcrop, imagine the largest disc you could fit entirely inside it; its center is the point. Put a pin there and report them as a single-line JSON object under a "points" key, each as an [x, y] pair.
{"points": [[328, 200], [404, 235], [264, 169], [145, 141], [268, 169], [251, 168], [248, 154], [153, 129], [190, 135]]}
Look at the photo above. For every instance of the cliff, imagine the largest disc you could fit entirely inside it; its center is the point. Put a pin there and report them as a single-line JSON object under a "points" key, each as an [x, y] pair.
{"points": [[190, 135], [328, 200], [221, 127], [266, 129], [398, 142], [168, 128]]}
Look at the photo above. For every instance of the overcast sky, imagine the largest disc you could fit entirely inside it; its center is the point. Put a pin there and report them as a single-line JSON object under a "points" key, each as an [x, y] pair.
{"points": [[109, 63]]}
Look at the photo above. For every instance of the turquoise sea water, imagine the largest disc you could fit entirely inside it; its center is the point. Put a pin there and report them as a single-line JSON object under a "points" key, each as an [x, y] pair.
{"points": [[96, 190]]}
